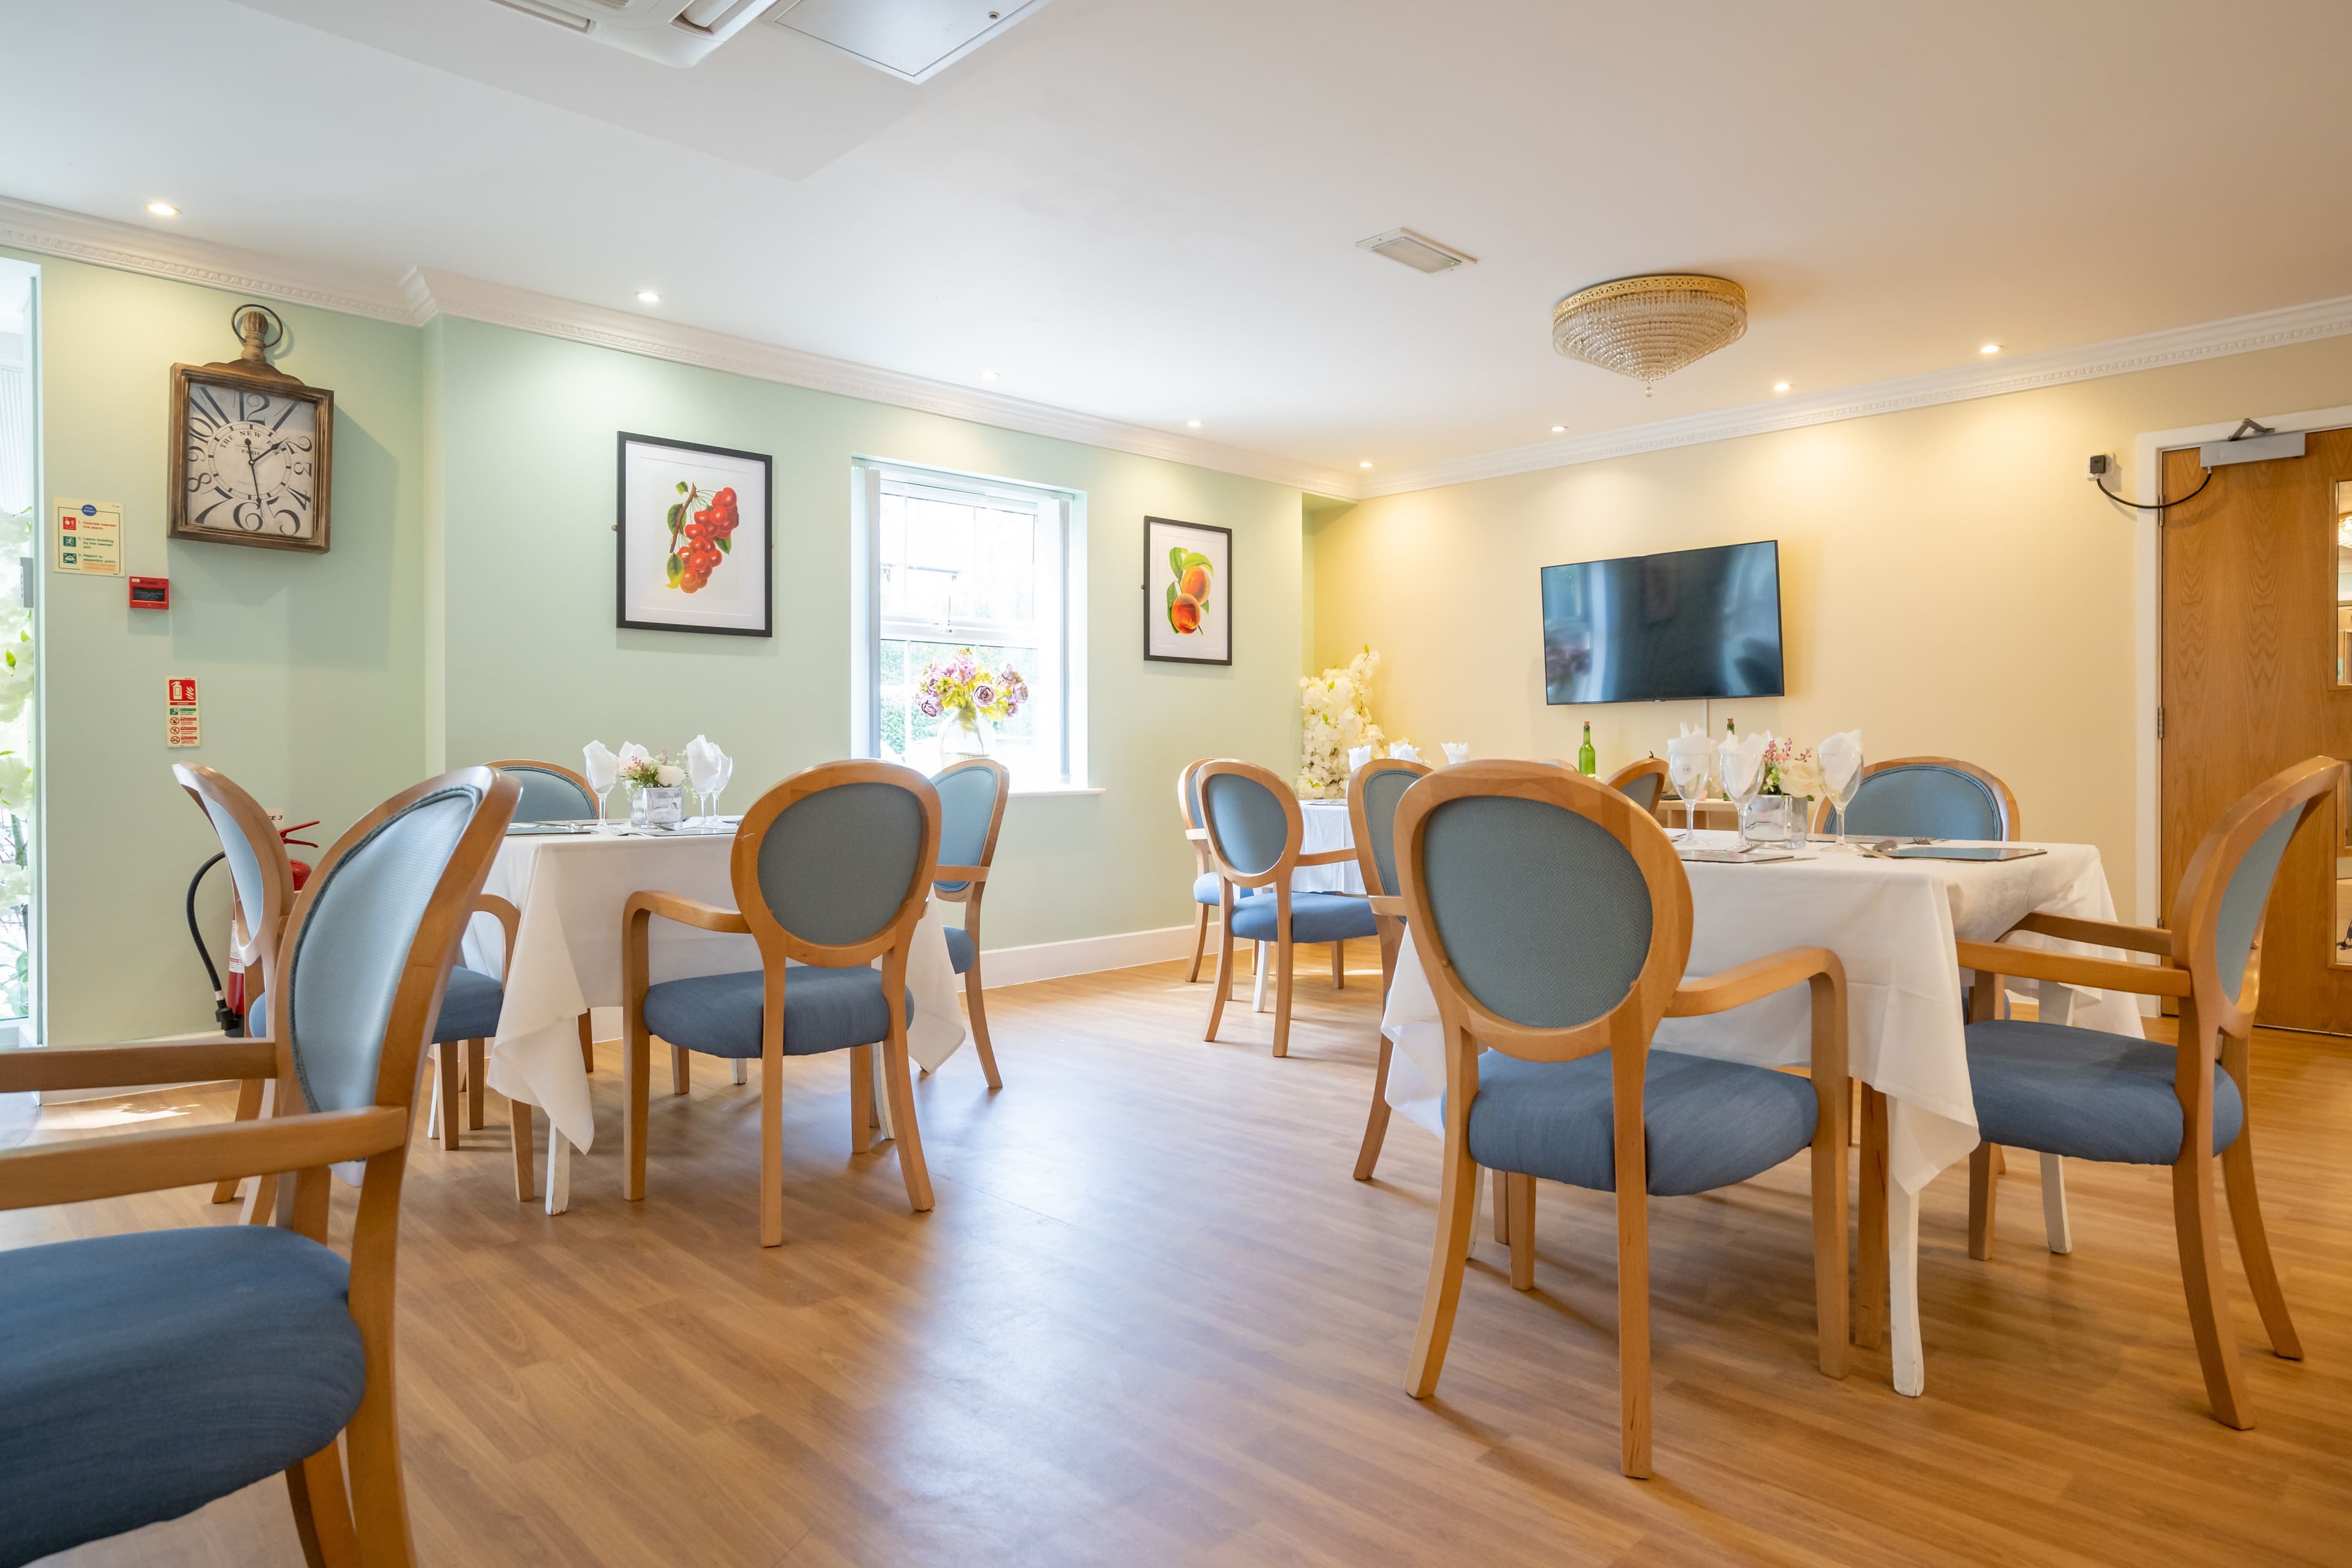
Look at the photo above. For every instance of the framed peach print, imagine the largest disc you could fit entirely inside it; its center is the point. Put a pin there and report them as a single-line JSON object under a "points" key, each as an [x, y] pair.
{"points": [[1188, 591]]}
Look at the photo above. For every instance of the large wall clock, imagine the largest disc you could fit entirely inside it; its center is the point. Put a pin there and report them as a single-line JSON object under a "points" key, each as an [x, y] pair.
{"points": [[252, 448]]}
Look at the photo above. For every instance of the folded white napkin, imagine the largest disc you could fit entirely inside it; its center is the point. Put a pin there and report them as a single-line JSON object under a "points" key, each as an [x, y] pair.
{"points": [[602, 768], [702, 764], [1456, 752], [1357, 756], [1840, 760], [1742, 763], [1403, 751], [632, 753]]}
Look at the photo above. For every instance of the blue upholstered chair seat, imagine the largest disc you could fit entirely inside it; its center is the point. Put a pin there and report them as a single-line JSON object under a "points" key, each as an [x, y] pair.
{"points": [[961, 950], [1710, 1123], [469, 1009], [2086, 1094], [141, 1376], [1205, 890], [1314, 917], [824, 1010]]}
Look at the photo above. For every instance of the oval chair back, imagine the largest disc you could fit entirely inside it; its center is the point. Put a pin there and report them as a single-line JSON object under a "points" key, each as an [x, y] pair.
{"points": [[2224, 893], [833, 865], [550, 792], [972, 813], [258, 870], [1642, 783], [1374, 791], [1928, 797], [1254, 830]]}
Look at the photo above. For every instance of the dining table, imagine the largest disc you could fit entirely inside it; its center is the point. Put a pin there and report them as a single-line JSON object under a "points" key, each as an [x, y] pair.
{"points": [[570, 882], [1893, 924]]}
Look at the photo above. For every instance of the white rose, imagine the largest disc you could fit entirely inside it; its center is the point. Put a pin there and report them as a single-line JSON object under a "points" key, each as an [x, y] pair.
{"points": [[670, 775], [1803, 776]]}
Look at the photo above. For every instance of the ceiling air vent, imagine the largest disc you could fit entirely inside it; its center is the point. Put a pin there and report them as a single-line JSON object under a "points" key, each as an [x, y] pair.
{"points": [[912, 39], [675, 32], [1417, 251]]}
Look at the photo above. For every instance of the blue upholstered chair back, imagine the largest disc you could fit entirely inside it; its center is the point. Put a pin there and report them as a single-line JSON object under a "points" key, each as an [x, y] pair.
{"points": [[1544, 914], [548, 795], [354, 941], [967, 808], [1383, 788], [1926, 800], [1643, 789], [2239, 922], [1192, 793], [835, 865], [1246, 822], [244, 865]]}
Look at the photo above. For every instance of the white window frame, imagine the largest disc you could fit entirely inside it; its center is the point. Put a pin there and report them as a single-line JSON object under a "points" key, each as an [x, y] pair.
{"points": [[1062, 533]]}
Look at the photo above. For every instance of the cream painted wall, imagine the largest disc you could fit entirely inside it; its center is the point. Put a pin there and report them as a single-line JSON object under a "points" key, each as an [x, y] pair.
{"points": [[1950, 582], [306, 665], [522, 449]]}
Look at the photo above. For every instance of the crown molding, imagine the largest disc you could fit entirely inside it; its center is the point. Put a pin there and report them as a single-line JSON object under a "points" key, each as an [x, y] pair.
{"points": [[129, 248], [432, 293], [2026, 373]]}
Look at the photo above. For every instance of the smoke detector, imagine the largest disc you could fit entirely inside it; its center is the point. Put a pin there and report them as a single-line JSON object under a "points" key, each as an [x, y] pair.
{"points": [[1417, 251]]}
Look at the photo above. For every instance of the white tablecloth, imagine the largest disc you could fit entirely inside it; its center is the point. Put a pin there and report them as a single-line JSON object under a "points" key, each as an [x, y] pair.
{"points": [[1327, 828], [570, 891]]}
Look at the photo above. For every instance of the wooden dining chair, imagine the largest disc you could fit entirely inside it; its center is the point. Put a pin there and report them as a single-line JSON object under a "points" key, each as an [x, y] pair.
{"points": [[1642, 783], [1928, 797], [144, 1375], [553, 792], [831, 869], [1374, 791], [2086, 1094], [971, 811], [1256, 838], [1553, 920]]}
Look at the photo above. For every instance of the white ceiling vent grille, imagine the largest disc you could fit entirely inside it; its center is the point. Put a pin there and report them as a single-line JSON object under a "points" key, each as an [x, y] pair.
{"points": [[1417, 251], [675, 32], [912, 39]]}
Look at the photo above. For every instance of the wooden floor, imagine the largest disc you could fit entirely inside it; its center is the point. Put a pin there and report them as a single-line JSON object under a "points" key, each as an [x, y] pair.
{"points": [[1153, 1321]]}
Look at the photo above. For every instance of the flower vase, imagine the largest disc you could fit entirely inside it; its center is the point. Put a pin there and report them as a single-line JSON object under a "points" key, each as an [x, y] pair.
{"points": [[1774, 821], [657, 805], [962, 736]]}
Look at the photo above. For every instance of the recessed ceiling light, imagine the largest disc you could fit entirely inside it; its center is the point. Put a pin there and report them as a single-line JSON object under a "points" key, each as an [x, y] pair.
{"points": [[1780, 387], [1990, 348], [1363, 465], [647, 297], [162, 209], [1192, 425], [988, 375], [1560, 429]]}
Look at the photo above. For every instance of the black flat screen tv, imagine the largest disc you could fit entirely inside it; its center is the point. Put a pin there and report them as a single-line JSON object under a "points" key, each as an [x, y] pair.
{"points": [[1652, 628]]}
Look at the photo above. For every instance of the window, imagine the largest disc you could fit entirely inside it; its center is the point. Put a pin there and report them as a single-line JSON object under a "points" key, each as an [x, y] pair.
{"points": [[947, 563]]}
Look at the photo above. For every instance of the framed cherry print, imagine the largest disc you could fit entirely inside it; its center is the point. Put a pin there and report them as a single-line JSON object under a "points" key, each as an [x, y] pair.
{"points": [[252, 448], [693, 539]]}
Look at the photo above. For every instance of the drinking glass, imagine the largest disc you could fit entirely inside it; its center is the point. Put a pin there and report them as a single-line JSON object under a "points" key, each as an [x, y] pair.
{"points": [[719, 785], [1689, 772], [1844, 798], [1742, 797]]}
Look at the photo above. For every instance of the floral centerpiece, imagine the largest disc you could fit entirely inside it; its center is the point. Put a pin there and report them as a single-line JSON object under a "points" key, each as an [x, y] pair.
{"points": [[1793, 770], [1793, 778], [1336, 708], [963, 691], [656, 787]]}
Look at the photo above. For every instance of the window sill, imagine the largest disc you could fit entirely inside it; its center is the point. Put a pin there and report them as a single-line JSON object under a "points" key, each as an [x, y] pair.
{"points": [[1054, 789]]}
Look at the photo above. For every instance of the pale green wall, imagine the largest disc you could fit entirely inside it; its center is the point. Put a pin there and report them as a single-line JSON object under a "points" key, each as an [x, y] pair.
{"points": [[309, 665], [536, 668]]}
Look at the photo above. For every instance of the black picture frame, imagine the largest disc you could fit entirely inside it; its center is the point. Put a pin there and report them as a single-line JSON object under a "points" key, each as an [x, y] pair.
{"points": [[693, 620], [1158, 633]]}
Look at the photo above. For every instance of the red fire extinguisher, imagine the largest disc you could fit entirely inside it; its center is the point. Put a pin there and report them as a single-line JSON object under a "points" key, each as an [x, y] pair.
{"points": [[229, 999]]}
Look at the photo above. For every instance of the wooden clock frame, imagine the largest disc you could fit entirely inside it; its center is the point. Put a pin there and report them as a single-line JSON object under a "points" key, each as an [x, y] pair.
{"points": [[249, 374]]}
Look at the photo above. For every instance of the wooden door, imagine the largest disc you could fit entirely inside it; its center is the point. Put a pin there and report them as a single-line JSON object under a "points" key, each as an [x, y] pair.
{"points": [[2250, 648]]}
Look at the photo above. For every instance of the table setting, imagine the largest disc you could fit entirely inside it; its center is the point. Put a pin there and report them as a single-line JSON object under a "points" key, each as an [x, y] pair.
{"points": [[568, 881]]}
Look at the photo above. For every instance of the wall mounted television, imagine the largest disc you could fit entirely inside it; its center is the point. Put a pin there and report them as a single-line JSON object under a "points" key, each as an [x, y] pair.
{"points": [[1653, 628]]}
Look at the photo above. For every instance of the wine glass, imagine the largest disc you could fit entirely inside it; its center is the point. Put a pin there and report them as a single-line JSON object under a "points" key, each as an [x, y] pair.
{"points": [[719, 785], [1741, 791], [1844, 798], [1688, 769]]}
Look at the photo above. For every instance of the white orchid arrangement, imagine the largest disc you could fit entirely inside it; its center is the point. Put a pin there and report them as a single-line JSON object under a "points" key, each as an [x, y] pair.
{"points": [[1337, 706]]}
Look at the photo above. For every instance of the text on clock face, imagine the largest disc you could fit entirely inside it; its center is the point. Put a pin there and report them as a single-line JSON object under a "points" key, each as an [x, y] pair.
{"points": [[250, 461]]}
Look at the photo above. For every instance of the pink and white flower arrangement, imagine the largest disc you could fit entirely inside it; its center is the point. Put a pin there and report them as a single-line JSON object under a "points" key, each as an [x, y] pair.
{"points": [[641, 769], [964, 688], [1792, 769]]}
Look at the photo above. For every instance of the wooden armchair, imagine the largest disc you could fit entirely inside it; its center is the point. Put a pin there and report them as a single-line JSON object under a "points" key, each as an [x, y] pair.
{"points": [[1553, 920], [831, 869], [2085, 1094], [1930, 797], [1374, 791], [972, 813], [1256, 838], [1642, 783], [147, 1375]]}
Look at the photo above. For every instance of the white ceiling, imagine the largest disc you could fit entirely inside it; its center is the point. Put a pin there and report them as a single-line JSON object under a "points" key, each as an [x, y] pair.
{"points": [[1147, 211]]}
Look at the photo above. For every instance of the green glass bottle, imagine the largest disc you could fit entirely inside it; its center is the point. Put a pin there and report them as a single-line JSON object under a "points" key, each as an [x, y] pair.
{"points": [[1730, 730], [1588, 762]]}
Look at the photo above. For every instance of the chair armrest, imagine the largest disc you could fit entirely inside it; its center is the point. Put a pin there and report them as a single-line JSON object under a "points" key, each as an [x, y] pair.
{"points": [[2099, 933], [104, 1066], [90, 1168], [959, 874], [1327, 858], [1758, 977], [2071, 969], [1388, 904], [510, 920], [686, 911]]}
